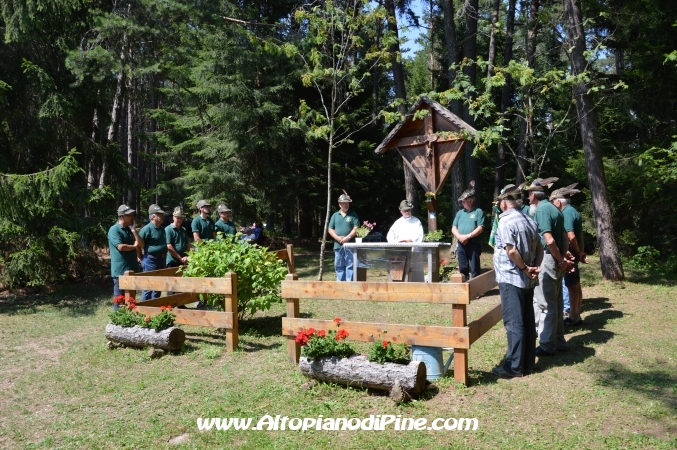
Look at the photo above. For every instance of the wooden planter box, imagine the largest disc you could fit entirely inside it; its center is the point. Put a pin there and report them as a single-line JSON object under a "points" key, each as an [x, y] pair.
{"points": [[171, 338], [358, 371]]}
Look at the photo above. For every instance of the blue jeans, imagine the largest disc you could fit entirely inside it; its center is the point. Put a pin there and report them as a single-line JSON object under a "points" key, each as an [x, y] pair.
{"points": [[152, 262], [518, 318], [116, 291], [565, 294], [343, 264], [469, 259]]}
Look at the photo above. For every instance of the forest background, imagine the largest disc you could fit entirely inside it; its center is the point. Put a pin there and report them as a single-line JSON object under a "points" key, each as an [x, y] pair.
{"points": [[146, 101]]}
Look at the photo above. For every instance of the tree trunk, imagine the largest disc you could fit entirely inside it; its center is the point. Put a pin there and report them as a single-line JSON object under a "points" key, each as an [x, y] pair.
{"points": [[410, 183], [130, 148], [492, 38], [457, 172], [326, 217], [499, 180], [171, 338], [472, 166], [360, 372], [612, 268]]}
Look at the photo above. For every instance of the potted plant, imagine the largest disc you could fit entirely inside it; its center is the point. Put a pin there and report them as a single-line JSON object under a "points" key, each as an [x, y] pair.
{"points": [[364, 230], [131, 328], [429, 196], [326, 356], [434, 236]]}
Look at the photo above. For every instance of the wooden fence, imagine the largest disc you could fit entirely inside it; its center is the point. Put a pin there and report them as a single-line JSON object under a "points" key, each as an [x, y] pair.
{"points": [[460, 336]]}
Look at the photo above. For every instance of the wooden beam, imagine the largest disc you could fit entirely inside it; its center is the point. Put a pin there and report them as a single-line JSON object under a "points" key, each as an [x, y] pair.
{"points": [[172, 300], [485, 323], [445, 293], [481, 284], [199, 318], [457, 337], [176, 284], [232, 338], [412, 141], [293, 349], [168, 272], [460, 353]]}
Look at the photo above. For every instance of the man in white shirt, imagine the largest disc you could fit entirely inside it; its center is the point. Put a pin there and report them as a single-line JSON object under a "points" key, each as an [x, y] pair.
{"points": [[407, 228]]}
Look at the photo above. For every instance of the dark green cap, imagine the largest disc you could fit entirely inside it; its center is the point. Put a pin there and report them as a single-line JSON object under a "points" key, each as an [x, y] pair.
{"points": [[124, 209], [155, 209], [223, 208], [202, 203]]}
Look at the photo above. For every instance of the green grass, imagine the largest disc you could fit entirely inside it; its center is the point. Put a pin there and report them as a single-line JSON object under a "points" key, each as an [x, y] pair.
{"points": [[61, 387]]}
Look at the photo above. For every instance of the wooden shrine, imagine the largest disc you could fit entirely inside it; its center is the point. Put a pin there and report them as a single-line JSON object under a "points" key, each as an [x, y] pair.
{"points": [[430, 140]]}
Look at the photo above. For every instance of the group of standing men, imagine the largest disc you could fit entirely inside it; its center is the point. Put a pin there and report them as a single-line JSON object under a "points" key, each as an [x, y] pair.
{"points": [[156, 247], [537, 248]]}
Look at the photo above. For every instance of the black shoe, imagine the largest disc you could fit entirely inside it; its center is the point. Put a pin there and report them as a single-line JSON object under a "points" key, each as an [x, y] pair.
{"points": [[541, 352], [501, 372], [569, 322], [578, 323]]}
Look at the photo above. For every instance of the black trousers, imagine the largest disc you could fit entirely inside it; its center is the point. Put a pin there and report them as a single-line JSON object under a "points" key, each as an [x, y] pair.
{"points": [[469, 258]]}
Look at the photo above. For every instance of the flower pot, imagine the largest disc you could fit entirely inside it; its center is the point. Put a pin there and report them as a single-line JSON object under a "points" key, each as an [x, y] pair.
{"points": [[358, 240], [171, 338]]}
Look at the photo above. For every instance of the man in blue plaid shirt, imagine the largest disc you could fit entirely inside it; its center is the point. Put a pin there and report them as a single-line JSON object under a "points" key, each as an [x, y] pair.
{"points": [[517, 257]]}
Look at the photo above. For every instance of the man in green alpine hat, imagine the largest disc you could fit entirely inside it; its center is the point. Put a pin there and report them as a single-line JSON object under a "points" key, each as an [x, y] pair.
{"points": [[155, 246], [224, 224], [342, 229], [548, 300], [467, 227], [177, 240], [123, 242], [203, 225]]}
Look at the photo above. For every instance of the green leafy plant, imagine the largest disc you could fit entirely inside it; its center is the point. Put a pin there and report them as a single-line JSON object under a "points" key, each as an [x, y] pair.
{"points": [[259, 272], [646, 258], [365, 229], [318, 344], [429, 195], [433, 236], [386, 351], [127, 316]]}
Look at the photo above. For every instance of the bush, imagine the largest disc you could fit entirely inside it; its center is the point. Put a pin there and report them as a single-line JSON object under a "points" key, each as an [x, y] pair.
{"points": [[127, 316], [259, 272], [646, 258], [386, 351]]}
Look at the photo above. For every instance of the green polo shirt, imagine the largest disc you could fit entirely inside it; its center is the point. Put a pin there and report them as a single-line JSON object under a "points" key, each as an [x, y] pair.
{"points": [[467, 221], [225, 227], [550, 219], [343, 225], [120, 262], [178, 238], [573, 222], [154, 240], [204, 227]]}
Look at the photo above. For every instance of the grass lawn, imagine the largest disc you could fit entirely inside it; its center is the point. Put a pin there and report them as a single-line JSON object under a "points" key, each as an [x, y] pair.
{"points": [[61, 387]]}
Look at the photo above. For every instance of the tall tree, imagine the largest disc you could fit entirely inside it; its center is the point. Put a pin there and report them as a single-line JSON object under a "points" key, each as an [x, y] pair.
{"points": [[472, 164], [612, 268]]}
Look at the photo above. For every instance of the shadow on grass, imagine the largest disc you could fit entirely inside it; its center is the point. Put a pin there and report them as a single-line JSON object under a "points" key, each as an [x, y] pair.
{"points": [[74, 300], [657, 276]]}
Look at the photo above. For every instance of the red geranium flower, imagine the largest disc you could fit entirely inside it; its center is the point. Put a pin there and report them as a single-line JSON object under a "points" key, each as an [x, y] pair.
{"points": [[342, 334], [301, 338], [321, 333], [310, 331], [384, 344], [147, 319], [337, 320]]}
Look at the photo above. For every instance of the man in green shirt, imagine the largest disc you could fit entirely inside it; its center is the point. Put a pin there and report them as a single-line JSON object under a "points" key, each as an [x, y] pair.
{"points": [[177, 240], [467, 227], [548, 300], [203, 225], [224, 224], [123, 242], [155, 246], [573, 225], [342, 229]]}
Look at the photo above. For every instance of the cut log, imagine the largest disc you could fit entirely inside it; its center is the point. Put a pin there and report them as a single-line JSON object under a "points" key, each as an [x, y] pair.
{"points": [[171, 338], [359, 371]]}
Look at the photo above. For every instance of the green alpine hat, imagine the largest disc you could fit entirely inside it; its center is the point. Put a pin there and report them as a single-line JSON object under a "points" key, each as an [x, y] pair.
{"points": [[178, 212], [468, 193], [203, 203], [542, 184], [510, 192], [344, 198], [223, 208], [124, 209], [404, 204], [565, 192], [155, 209]]}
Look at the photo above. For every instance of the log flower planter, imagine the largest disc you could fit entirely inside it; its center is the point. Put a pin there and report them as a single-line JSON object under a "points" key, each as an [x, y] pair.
{"points": [[171, 338], [401, 380]]}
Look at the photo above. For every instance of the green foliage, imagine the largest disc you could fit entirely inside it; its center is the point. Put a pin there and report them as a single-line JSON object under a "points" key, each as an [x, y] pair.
{"points": [[386, 351], [646, 258], [128, 317], [320, 344], [259, 272], [434, 236]]}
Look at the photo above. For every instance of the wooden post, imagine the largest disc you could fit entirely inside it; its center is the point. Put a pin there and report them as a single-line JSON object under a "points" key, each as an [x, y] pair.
{"points": [[293, 349], [129, 294], [460, 354], [231, 307], [291, 267], [432, 214], [457, 278]]}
